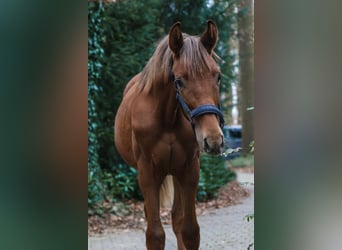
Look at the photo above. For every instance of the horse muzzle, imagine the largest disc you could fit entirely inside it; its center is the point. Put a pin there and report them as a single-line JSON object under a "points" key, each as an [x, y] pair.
{"points": [[213, 145]]}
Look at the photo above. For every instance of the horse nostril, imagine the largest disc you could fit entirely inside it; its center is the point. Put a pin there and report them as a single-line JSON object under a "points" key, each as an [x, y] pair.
{"points": [[222, 143]]}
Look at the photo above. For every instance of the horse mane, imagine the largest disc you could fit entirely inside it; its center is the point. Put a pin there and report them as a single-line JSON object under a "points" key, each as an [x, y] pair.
{"points": [[193, 55]]}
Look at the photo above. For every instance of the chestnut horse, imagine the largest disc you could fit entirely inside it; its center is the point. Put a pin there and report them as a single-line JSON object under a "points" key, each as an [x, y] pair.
{"points": [[169, 114]]}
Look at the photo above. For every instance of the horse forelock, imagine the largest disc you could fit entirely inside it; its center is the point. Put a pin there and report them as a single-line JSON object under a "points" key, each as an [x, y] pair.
{"points": [[193, 56]]}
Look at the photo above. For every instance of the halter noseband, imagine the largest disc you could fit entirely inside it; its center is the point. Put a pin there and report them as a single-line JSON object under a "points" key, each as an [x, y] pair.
{"points": [[200, 110]]}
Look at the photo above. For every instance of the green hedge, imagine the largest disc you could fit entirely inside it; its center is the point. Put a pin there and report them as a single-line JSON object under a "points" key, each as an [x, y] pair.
{"points": [[214, 174]]}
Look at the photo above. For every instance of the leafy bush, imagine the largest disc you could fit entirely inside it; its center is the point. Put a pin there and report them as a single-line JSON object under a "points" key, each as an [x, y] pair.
{"points": [[121, 38], [96, 190], [214, 174], [123, 184]]}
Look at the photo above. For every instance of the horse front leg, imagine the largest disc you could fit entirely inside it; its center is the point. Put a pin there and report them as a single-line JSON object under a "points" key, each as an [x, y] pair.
{"points": [[190, 228], [177, 214], [149, 186]]}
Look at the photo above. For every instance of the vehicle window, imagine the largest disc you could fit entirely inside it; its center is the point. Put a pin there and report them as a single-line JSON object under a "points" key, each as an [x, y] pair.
{"points": [[235, 133]]}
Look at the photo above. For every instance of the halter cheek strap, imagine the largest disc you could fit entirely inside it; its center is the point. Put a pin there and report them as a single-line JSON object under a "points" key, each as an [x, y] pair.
{"points": [[200, 110]]}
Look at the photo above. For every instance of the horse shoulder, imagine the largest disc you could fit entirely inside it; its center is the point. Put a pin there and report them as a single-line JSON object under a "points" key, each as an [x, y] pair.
{"points": [[131, 83]]}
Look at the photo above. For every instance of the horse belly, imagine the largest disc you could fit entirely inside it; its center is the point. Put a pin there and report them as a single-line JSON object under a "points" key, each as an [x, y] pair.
{"points": [[123, 134]]}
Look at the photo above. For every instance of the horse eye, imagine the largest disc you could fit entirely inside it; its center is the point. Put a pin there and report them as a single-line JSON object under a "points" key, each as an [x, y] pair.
{"points": [[219, 78], [179, 83]]}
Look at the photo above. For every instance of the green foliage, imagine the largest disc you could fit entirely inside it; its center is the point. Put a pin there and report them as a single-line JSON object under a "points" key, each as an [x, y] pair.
{"points": [[108, 177], [129, 33], [123, 184], [251, 145], [96, 191], [214, 174], [121, 38], [249, 217], [242, 161]]}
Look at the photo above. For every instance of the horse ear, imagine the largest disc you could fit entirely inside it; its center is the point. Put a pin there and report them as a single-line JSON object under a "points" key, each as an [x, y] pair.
{"points": [[210, 36], [175, 38]]}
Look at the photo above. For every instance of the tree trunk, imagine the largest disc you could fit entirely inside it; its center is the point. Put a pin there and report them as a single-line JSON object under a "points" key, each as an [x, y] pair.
{"points": [[246, 72]]}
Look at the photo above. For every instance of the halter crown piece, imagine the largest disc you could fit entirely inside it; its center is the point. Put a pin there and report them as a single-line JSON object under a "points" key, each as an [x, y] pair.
{"points": [[200, 110]]}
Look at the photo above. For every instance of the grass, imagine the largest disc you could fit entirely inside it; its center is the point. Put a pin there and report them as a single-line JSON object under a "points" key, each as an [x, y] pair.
{"points": [[242, 161]]}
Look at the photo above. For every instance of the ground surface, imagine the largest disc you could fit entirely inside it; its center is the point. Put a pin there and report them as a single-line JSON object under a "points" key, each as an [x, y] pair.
{"points": [[223, 228]]}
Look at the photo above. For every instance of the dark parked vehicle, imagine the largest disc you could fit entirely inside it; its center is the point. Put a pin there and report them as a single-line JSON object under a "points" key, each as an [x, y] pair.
{"points": [[233, 139]]}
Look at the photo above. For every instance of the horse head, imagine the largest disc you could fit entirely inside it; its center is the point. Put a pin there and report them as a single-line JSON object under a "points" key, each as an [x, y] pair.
{"points": [[197, 81]]}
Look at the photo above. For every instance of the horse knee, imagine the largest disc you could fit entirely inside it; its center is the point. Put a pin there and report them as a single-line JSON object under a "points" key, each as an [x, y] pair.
{"points": [[177, 218], [191, 237], [155, 239]]}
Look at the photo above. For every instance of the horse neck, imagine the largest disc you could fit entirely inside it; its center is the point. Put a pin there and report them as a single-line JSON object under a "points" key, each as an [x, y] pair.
{"points": [[165, 95]]}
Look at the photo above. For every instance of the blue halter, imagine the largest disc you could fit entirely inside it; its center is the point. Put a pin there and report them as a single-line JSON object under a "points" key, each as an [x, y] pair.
{"points": [[200, 110]]}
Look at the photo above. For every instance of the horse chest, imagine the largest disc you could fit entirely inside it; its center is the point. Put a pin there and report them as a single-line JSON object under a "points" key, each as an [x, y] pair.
{"points": [[172, 153]]}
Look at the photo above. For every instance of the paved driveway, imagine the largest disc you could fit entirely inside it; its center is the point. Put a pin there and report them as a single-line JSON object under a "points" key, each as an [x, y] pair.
{"points": [[222, 229]]}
